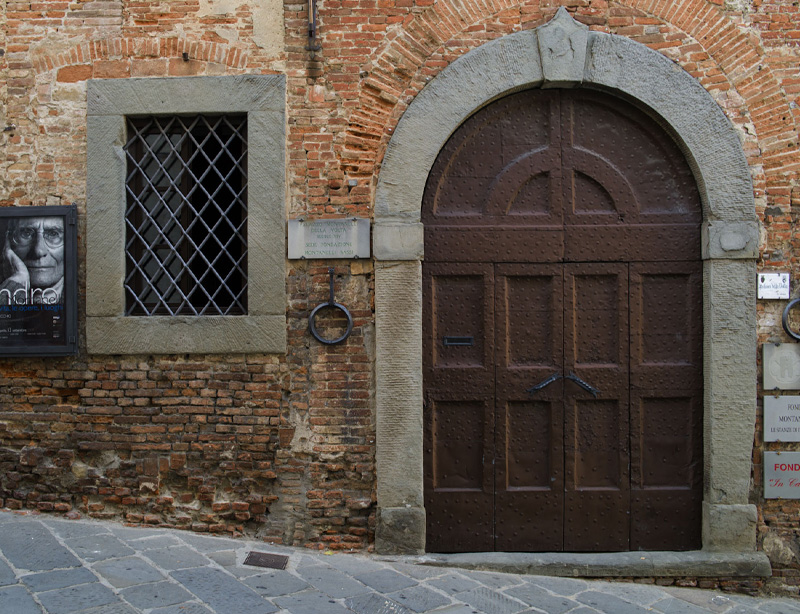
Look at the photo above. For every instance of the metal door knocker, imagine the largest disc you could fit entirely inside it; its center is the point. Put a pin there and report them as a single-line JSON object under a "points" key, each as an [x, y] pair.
{"points": [[785, 320], [331, 303]]}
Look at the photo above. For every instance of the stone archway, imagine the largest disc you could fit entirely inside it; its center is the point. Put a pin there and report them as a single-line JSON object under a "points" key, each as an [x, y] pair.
{"points": [[564, 53]]}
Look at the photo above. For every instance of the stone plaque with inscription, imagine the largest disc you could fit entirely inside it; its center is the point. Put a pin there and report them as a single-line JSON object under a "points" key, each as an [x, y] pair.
{"points": [[781, 366], [782, 418], [773, 285], [782, 475], [340, 238]]}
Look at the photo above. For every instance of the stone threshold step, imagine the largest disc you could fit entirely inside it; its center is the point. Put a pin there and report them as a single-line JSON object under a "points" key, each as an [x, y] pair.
{"points": [[621, 564]]}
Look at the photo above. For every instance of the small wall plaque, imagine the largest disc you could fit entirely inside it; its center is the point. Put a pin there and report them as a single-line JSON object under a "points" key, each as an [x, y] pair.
{"points": [[781, 366], [773, 285], [782, 418], [340, 238], [782, 475]]}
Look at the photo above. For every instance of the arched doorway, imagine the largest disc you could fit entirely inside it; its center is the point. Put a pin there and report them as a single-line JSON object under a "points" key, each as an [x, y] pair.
{"points": [[562, 331], [729, 241]]}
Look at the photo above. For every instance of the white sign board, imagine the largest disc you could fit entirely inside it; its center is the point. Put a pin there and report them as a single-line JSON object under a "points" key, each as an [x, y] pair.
{"points": [[341, 238], [781, 366], [782, 475], [782, 418], [773, 285]]}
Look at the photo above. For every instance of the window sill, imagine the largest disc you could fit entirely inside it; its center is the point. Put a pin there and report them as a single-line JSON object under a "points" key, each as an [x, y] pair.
{"points": [[186, 334]]}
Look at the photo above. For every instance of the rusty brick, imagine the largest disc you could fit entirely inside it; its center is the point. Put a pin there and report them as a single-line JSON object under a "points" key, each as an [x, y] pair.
{"points": [[111, 69], [73, 74]]}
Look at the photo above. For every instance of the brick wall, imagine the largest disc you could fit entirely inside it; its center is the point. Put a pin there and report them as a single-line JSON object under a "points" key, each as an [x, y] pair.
{"points": [[283, 446]]}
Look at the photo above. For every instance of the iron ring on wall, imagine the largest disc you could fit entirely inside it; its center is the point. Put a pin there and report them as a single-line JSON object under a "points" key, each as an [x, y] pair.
{"points": [[785, 320], [331, 303], [313, 328]]}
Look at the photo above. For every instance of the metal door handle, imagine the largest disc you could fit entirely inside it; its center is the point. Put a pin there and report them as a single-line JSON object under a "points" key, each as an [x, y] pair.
{"points": [[582, 384], [545, 382]]}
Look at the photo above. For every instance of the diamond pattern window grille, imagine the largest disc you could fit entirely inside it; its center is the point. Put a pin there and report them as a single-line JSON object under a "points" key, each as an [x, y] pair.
{"points": [[186, 216]]}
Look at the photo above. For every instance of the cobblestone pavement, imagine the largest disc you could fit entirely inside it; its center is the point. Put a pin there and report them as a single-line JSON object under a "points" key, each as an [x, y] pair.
{"points": [[59, 566]]}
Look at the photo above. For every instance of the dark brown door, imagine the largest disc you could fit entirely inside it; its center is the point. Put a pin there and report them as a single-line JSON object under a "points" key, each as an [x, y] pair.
{"points": [[562, 335]]}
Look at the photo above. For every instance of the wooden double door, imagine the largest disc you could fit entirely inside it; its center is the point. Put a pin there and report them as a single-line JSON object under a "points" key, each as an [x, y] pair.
{"points": [[562, 332]]}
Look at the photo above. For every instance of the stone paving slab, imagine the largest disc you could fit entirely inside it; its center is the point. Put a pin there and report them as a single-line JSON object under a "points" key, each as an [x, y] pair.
{"points": [[49, 565], [372, 603], [420, 598], [156, 595], [540, 598], [490, 601], [331, 581], [457, 609], [385, 580], [454, 583], [560, 586], [276, 583], [156, 542], [129, 571], [780, 607], [670, 605], [98, 547], [610, 604], [17, 600], [311, 601], [177, 557], [31, 546], [186, 608], [61, 578], [222, 592], [7, 575], [76, 598], [115, 608], [67, 529]]}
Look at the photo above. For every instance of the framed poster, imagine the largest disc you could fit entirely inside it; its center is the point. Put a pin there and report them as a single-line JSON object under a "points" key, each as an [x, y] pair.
{"points": [[38, 282]]}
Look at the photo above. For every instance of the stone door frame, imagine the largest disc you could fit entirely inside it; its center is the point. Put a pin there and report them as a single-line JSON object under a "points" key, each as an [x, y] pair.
{"points": [[564, 53]]}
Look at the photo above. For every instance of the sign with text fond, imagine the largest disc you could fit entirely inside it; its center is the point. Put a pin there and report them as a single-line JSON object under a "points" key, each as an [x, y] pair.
{"points": [[782, 475], [340, 238]]}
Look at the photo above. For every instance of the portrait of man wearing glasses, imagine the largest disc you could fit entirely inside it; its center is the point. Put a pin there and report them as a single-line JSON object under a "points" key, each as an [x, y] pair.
{"points": [[33, 261]]}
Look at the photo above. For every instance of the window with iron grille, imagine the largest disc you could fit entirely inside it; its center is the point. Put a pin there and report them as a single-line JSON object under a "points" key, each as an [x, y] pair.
{"points": [[186, 216]]}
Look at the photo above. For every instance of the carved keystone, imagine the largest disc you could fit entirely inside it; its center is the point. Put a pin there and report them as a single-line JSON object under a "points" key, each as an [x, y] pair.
{"points": [[562, 46]]}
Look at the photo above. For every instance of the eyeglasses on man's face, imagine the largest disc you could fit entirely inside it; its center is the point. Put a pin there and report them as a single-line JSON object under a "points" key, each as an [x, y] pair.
{"points": [[24, 236]]}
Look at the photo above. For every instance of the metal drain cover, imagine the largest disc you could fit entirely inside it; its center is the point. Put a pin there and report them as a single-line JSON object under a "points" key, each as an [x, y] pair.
{"points": [[266, 559]]}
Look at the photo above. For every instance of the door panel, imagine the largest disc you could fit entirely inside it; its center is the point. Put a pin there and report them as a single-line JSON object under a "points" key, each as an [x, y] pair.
{"points": [[467, 244], [631, 243], [458, 484], [597, 492], [666, 405], [459, 398], [529, 429]]}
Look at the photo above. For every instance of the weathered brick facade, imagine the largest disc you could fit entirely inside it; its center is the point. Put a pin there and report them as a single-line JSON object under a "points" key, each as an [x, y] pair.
{"points": [[283, 446]]}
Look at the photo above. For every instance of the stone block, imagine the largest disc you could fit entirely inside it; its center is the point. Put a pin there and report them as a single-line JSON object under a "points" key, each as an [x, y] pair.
{"points": [[400, 530], [729, 528]]}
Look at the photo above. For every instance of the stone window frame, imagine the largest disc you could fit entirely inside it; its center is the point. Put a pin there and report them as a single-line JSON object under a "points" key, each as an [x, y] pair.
{"points": [[564, 53], [109, 103]]}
